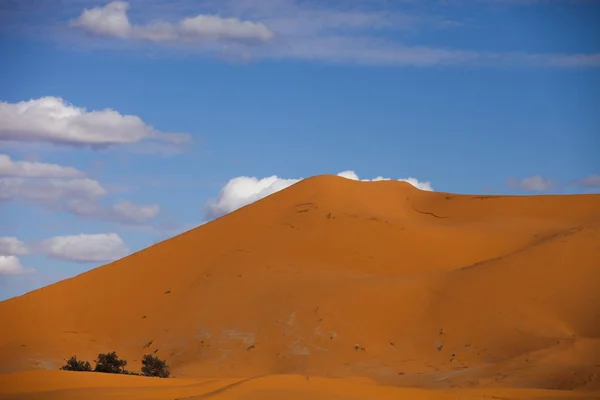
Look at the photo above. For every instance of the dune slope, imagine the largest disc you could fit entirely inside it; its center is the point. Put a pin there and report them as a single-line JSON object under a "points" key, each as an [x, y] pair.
{"points": [[338, 278]]}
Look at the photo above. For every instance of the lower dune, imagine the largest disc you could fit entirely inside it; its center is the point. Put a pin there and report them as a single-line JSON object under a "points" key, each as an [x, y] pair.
{"points": [[63, 385]]}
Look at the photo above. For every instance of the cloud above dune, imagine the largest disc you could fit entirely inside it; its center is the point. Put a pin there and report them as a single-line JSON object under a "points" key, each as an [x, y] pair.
{"points": [[53, 120], [244, 190], [112, 20], [591, 181], [103, 247]]}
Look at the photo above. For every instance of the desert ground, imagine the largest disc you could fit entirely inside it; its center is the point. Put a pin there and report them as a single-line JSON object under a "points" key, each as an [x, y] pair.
{"points": [[333, 289]]}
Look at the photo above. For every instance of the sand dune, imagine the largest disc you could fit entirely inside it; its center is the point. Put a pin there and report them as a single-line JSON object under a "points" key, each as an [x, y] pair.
{"points": [[335, 279]]}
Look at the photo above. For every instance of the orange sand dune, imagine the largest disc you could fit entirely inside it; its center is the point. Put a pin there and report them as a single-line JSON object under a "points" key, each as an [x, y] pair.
{"points": [[337, 278]]}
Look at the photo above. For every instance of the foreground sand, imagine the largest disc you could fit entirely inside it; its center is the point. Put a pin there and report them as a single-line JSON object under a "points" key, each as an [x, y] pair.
{"points": [[61, 385], [334, 278]]}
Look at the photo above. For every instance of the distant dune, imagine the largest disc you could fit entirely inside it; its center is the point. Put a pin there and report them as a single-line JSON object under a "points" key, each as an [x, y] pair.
{"points": [[339, 289]]}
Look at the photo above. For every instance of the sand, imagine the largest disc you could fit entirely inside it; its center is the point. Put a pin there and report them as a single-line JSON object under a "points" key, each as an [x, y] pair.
{"points": [[339, 289]]}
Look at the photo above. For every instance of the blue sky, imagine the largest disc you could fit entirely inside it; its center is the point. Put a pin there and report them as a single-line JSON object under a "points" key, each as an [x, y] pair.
{"points": [[123, 124]]}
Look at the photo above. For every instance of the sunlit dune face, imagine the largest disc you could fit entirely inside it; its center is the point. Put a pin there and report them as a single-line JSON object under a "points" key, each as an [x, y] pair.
{"points": [[379, 283]]}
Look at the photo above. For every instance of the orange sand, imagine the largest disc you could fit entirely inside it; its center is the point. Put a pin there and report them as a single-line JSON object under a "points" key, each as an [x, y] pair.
{"points": [[371, 289]]}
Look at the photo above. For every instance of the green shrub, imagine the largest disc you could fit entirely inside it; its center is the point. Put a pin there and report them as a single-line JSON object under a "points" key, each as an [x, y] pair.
{"points": [[153, 366], [73, 364], [109, 363]]}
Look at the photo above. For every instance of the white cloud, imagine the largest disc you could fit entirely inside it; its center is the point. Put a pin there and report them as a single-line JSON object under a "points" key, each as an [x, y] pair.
{"points": [[10, 265], [532, 184], [27, 169], [112, 20], [243, 190], [104, 247], [11, 246], [49, 190], [52, 120]]}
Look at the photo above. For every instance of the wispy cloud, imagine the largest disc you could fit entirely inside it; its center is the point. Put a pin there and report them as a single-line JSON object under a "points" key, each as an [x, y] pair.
{"points": [[49, 190], [48, 185], [352, 32], [590, 182], [32, 169], [122, 211], [532, 184]]}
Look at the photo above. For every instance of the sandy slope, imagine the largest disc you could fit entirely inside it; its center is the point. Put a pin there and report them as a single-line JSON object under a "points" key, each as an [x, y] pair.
{"points": [[338, 278]]}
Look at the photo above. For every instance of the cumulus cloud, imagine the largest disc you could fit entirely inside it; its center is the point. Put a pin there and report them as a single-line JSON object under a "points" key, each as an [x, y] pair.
{"points": [[27, 169], [11, 246], [112, 20], [52, 120], [103, 247], [11, 265], [243, 190], [532, 184]]}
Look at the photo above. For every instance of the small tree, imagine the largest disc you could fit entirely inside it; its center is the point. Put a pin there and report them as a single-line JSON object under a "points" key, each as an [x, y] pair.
{"points": [[109, 363], [153, 366], [73, 364]]}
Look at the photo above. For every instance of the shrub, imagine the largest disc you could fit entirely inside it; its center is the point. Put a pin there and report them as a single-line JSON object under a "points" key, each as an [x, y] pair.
{"points": [[73, 364], [153, 366], [109, 363]]}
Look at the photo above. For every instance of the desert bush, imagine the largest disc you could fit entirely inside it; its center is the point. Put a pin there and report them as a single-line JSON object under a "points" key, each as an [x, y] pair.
{"points": [[73, 364], [109, 363], [153, 366]]}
